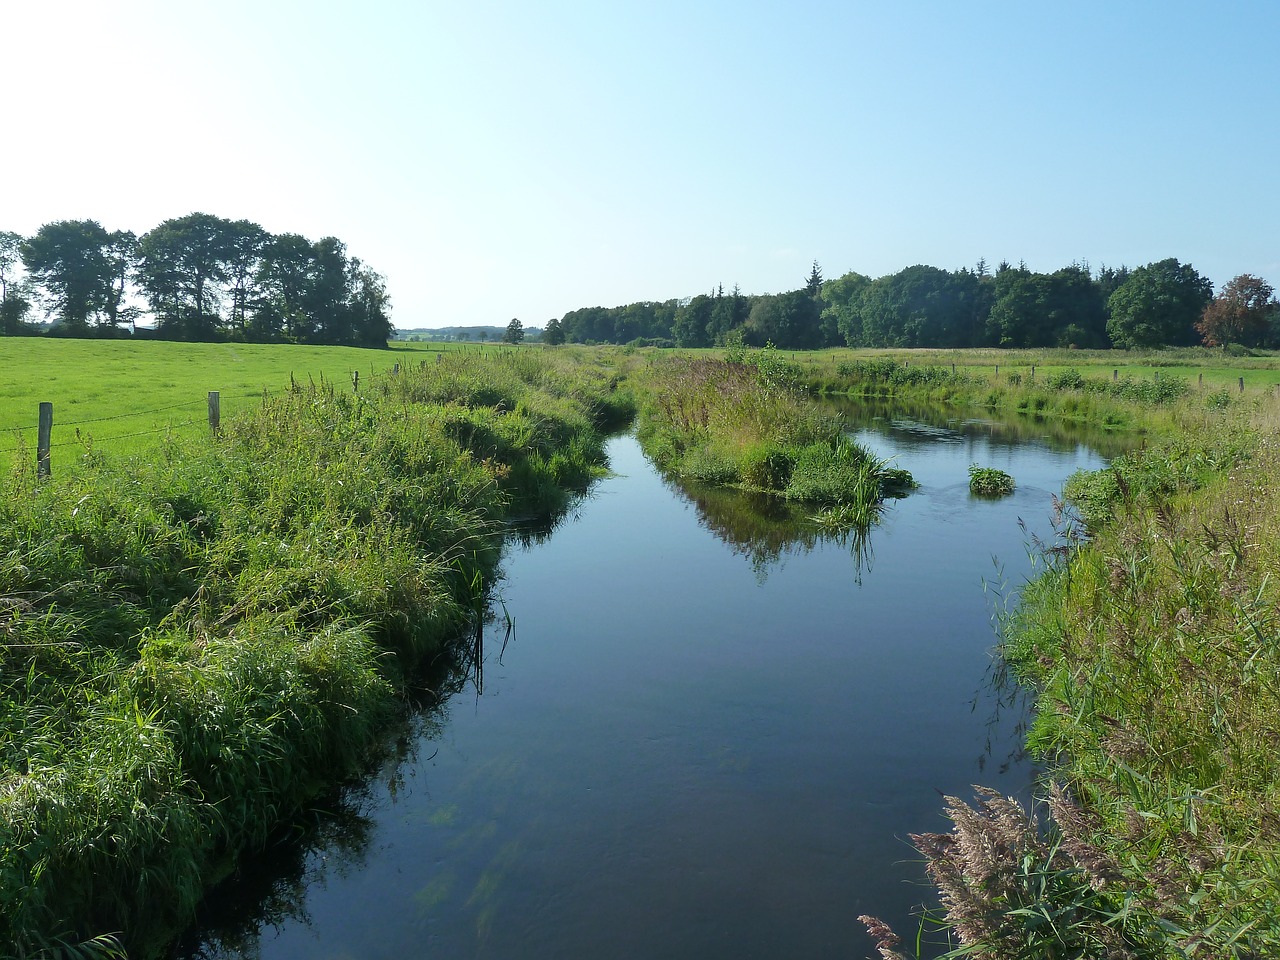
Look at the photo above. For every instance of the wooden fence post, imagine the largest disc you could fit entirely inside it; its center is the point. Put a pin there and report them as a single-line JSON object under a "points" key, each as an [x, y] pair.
{"points": [[1242, 384], [43, 435], [215, 413], [355, 381]]}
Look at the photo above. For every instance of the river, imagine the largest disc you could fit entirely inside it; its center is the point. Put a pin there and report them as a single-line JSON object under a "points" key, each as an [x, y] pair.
{"points": [[707, 735]]}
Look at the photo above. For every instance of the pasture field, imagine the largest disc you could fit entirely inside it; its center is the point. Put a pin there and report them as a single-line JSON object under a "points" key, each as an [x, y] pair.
{"points": [[118, 396]]}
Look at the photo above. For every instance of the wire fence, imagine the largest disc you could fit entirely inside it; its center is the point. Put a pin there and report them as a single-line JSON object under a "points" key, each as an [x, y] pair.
{"points": [[39, 436], [17, 438]]}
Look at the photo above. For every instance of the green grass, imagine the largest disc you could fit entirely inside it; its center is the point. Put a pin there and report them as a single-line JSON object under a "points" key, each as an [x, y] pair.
{"points": [[123, 395], [745, 422], [196, 640]]}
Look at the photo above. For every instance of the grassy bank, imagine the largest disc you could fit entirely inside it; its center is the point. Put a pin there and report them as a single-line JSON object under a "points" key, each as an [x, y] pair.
{"points": [[187, 638], [121, 397], [1151, 644], [745, 422]]}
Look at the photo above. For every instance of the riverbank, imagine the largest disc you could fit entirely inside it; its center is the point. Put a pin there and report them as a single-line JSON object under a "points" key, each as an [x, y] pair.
{"points": [[1149, 640], [191, 636], [745, 421]]}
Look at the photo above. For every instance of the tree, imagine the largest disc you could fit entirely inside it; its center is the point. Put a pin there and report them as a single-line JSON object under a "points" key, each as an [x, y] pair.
{"points": [[553, 335], [369, 306], [282, 281], [813, 283], [1239, 314], [514, 332], [789, 321], [1062, 308], [68, 260], [924, 306], [10, 258], [693, 322], [841, 311], [14, 302], [182, 264], [1158, 305], [246, 242], [122, 256]]}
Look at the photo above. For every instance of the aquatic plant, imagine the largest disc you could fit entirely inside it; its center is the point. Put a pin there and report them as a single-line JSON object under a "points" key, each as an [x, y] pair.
{"points": [[989, 482]]}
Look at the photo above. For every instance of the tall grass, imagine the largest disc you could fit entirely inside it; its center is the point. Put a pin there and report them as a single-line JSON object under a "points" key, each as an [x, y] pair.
{"points": [[193, 644], [1151, 642], [746, 424]]}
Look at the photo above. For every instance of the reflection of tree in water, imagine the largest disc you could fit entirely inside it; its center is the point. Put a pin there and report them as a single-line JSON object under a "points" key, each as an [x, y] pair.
{"points": [[766, 528]]}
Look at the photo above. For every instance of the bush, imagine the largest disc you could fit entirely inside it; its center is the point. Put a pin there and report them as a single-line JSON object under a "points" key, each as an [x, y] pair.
{"points": [[989, 482]]}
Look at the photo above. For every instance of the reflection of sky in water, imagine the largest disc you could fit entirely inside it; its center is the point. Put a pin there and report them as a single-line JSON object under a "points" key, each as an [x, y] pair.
{"points": [[677, 758]]}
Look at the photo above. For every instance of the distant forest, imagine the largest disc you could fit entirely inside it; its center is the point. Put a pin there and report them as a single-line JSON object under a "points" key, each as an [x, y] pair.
{"points": [[1161, 304], [200, 277]]}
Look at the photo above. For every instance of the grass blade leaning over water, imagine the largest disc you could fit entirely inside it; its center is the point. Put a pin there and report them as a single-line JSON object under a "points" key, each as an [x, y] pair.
{"points": [[186, 639]]}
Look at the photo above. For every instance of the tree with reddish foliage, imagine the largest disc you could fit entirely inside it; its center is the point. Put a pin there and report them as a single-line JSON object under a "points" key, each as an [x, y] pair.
{"points": [[1238, 314]]}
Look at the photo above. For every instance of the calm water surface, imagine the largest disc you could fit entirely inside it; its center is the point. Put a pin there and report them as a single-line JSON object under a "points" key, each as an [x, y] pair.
{"points": [[708, 735]]}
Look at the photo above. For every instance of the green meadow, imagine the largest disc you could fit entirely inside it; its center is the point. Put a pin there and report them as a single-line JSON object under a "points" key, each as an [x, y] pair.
{"points": [[189, 629], [120, 396]]}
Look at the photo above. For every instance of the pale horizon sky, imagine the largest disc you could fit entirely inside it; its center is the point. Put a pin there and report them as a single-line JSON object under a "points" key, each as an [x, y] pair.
{"points": [[498, 159]]}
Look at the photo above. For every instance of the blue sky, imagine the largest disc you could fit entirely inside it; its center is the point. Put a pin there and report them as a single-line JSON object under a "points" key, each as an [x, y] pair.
{"points": [[502, 159]]}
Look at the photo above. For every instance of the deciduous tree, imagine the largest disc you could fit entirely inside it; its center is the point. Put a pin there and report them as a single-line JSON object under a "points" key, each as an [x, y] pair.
{"points": [[1158, 305], [1239, 314], [68, 261]]}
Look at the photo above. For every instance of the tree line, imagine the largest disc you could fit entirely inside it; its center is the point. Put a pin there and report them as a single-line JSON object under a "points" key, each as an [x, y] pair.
{"points": [[200, 277], [1166, 303]]}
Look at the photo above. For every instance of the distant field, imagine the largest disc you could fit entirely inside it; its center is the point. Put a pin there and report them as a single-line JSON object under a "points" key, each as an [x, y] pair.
{"points": [[1218, 368], [122, 395]]}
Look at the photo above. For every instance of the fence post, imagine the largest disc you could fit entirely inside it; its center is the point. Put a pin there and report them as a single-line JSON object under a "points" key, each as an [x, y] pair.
{"points": [[43, 436], [215, 413], [1242, 384], [1200, 384], [355, 381], [1115, 375]]}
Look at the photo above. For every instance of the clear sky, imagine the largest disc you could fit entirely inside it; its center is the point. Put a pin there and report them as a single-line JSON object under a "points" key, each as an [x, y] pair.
{"points": [[522, 158]]}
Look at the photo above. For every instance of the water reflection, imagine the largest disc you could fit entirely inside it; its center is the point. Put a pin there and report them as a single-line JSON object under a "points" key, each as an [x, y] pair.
{"points": [[915, 425], [665, 739], [765, 529]]}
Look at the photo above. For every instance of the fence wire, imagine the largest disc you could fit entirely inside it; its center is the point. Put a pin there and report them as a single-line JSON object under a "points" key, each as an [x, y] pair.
{"points": [[116, 416]]}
